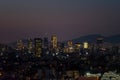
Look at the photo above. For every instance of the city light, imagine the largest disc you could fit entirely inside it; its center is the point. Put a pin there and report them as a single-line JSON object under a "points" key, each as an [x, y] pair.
{"points": [[66, 60], [85, 44]]}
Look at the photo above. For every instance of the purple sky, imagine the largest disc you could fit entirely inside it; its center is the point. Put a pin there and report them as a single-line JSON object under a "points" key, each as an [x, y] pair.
{"points": [[67, 18]]}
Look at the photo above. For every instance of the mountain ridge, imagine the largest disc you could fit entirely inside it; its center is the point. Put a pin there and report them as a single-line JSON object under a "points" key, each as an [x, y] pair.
{"points": [[93, 38]]}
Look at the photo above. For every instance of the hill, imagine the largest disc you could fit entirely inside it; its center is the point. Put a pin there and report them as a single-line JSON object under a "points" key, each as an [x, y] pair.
{"points": [[92, 38]]}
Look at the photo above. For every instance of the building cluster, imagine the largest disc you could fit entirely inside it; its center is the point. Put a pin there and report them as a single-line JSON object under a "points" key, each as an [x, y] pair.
{"points": [[42, 58], [40, 46], [110, 76]]}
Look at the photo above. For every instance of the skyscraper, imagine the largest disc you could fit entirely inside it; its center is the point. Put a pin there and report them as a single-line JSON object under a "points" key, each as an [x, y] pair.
{"points": [[70, 44], [20, 45], [77, 47], [38, 47], [54, 41], [85, 45], [30, 45], [70, 47]]}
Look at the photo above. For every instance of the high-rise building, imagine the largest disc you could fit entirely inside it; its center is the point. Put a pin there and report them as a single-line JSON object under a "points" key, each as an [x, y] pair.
{"points": [[77, 47], [85, 45], [30, 45], [65, 50], [38, 47], [70, 44], [70, 47], [54, 41], [20, 45]]}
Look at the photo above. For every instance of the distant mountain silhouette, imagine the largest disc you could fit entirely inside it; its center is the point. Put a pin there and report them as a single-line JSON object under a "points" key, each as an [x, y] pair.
{"points": [[113, 39], [89, 38], [92, 38]]}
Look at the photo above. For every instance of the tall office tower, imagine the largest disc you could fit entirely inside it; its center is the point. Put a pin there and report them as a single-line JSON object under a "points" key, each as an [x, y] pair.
{"points": [[70, 44], [38, 47], [54, 41], [85, 45], [86, 48], [70, 47], [65, 49], [30, 45], [77, 47], [20, 45]]}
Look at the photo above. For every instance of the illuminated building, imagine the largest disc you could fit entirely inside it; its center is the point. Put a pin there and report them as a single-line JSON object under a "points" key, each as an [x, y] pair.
{"points": [[86, 48], [65, 50], [110, 76], [85, 45], [20, 45], [38, 47], [77, 47], [70, 47], [70, 43], [54, 41], [30, 45]]}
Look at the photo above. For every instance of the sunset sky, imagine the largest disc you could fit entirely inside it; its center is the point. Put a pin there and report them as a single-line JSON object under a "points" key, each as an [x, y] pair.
{"points": [[68, 19]]}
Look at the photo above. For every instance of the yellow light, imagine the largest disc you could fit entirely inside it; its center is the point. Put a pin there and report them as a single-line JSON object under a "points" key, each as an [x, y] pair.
{"points": [[85, 45], [54, 41], [78, 45]]}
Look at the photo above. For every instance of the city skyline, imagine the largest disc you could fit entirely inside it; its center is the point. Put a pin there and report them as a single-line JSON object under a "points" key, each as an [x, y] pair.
{"points": [[67, 19]]}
